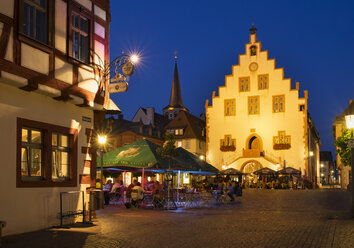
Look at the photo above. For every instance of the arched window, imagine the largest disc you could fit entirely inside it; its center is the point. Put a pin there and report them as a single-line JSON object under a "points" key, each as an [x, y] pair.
{"points": [[253, 50]]}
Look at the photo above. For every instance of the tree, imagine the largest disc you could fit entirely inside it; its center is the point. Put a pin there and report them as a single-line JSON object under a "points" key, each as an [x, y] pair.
{"points": [[169, 149], [343, 150]]}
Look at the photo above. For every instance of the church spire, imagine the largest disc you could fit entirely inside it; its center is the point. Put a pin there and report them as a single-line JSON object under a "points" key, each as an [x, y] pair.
{"points": [[176, 96], [176, 103]]}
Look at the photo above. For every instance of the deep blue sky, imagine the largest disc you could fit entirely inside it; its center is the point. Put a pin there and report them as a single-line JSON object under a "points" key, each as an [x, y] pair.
{"points": [[312, 40]]}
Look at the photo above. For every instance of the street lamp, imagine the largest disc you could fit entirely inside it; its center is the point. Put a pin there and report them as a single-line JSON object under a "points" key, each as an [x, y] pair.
{"points": [[102, 139], [349, 119]]}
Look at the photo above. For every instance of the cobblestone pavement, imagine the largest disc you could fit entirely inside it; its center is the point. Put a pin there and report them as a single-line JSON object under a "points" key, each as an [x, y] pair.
{"points": [[261, 218]]}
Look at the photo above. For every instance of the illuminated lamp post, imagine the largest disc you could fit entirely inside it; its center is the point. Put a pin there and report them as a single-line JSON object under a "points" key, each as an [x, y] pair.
{"points": [[102, 139], [349, 119]]}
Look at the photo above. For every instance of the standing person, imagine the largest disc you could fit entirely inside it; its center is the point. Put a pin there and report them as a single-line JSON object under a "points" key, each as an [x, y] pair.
{"points": [[106, 190], [231, 190]]}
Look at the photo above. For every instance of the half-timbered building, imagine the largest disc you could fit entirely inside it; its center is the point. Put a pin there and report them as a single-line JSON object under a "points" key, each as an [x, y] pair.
{"points": [[51, 97]]}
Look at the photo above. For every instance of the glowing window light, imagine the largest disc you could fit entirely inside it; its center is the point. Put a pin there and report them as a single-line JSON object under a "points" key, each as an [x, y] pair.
{"points": [[185, 178]]}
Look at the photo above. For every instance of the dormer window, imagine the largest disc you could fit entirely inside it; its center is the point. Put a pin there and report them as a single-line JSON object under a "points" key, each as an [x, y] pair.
{"points": [[253, 50], [179, 131]]}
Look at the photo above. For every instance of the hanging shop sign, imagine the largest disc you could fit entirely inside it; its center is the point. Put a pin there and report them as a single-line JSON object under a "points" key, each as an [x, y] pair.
{"points": [[118, 87]]}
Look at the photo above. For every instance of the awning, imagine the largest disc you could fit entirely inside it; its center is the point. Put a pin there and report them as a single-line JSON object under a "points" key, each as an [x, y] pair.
{"points": [[231, 171], [289, 171], [265, 171]]}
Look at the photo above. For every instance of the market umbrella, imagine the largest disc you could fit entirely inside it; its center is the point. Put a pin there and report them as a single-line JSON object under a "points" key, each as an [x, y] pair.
{"points": [[139, 154], [289, 171], [265, 171], [230, 171], [192, 163], [142, 154]]}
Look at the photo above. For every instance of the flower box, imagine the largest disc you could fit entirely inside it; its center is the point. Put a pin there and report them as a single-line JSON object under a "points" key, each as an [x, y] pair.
{"points": [[227, 148], [281, 146]]}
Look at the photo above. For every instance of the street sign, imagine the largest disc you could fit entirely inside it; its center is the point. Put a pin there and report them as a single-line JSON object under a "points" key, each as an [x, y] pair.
{"points": [[351, 143], [118, 87]]}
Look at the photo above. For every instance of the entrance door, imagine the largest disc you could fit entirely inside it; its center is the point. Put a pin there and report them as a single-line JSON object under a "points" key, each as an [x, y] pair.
{"points": [[254, 143]]}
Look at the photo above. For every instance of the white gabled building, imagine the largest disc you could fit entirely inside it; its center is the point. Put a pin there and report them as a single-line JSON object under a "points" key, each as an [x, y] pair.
{"points": [[50, 101], [258, 120]]}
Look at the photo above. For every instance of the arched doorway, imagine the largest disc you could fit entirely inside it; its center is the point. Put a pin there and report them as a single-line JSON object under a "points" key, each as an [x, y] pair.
{"points": [[251, 166], [254, 143], [250, 180], [254, 146]]}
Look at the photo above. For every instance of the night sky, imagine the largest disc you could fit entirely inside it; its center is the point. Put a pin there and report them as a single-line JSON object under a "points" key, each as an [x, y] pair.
{"points": [[312, 40]]}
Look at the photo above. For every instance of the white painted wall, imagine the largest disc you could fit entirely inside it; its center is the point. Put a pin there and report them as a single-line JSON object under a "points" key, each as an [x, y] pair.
{"points": [[266, 124], [34, 59], [193, 146], [60, 25], [7, 8], [29, 209], [100, 12]]}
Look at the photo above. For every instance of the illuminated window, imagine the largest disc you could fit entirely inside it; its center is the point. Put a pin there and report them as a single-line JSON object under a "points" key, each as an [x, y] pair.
{"points": [[263, 82], [282, 141], [60, 156], [48, 155], [227, 143], [32, 154], [253, 105], [179, 143], [179, 131], [278, 103], [229, 107], [185, 178], [244, 84]]}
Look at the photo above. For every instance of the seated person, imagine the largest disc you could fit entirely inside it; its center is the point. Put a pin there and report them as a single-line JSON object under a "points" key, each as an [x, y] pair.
{"points": [[115, 186], [158, 195], [137, 194]]}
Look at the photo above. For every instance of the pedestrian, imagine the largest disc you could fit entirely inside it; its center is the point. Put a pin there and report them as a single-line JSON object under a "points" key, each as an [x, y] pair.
{"points": [[106, 191], [231, 191]]}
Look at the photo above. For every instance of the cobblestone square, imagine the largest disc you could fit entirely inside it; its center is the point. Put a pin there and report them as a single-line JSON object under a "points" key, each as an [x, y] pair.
{"points": [[261, 218]]}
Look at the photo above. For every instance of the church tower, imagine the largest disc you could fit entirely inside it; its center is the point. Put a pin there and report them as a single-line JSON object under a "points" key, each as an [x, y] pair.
{"points": [[176, 105]]}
